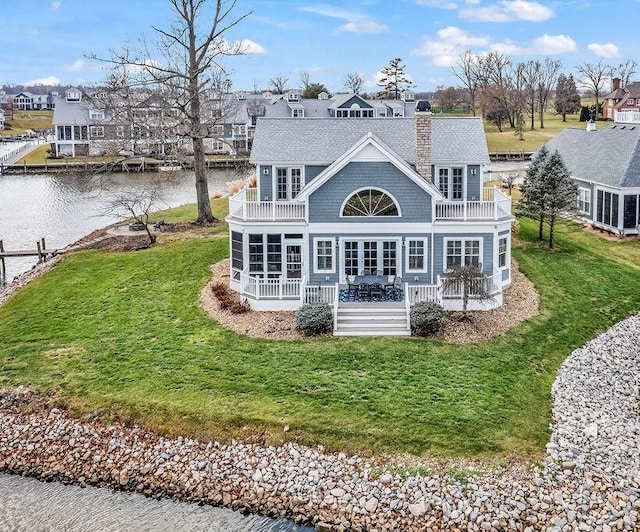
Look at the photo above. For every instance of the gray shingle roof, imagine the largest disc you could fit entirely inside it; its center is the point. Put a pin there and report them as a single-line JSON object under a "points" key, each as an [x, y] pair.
{"points": [[322, 141], [70, 113], [610, 156]]}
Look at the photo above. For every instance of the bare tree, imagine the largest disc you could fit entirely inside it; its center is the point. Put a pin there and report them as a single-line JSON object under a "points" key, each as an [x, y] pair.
{"points": [[594, 77], [353, 82], [548, 75], [530, 72], [184, 64], [305, 80], [278, 84], [468, 281], [466, 70], [626, 71]]}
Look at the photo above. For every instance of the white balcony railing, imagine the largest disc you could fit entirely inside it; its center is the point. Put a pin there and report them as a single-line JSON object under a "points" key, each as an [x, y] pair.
{"points": [[493, 206], [246, 206], [313, 293], [278, 288], [454, 288]]}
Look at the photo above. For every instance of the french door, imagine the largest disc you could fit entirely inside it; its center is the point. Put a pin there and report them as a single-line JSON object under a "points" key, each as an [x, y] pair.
{"points": [[372, 255], [294, 261]]}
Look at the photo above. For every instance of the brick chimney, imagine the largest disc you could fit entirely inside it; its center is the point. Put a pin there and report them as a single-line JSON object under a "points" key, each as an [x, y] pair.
{"points": [[422, 122], [616, 84]]}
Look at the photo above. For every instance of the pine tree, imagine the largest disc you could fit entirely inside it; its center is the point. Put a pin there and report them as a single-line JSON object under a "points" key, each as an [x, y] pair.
{"points": [[559, 190], [567, 97], [393, 79], [532, 204]]}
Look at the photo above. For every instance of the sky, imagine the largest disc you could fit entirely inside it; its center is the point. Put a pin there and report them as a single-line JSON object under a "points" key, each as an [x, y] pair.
{"points": [[50, 41]]}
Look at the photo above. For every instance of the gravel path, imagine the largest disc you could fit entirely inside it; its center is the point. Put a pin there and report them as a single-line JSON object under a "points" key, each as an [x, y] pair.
{"points": [[590, 479]]}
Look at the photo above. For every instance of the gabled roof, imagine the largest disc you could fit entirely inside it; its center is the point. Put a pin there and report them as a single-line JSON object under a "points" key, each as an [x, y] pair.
{"points": [[369, 140], [70, 113], [610, 156], [340, 99], [321, 141]]}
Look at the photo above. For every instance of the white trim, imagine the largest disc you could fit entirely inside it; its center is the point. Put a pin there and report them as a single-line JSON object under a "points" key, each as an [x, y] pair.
{"points": [[507, 258], [579, 199], [446, 240], [407, 246], [370, 238], [378, 189], [316, 240], [274, 180], [382, 227]]}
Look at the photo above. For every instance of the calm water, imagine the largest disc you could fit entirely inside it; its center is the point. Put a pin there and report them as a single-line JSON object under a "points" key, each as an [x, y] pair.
{"points": [[62, 208], [30, 505]]}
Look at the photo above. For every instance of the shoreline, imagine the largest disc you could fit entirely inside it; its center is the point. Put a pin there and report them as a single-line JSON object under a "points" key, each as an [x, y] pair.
{"points": [[589, 480]]}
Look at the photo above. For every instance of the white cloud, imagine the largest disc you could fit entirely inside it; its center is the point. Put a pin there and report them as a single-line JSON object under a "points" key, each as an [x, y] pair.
{"points": [[251, 47], [607, 50], [51, 80], [437, 3], [55, 5], [509, 10], [355, 22], [77, 66], [545, 44], [450, 43]]}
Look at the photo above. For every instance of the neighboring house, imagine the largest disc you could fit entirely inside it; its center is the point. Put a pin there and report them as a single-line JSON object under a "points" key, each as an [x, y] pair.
{"points": [[336, 197], [27, 101], [605, 164], [621, 98]]}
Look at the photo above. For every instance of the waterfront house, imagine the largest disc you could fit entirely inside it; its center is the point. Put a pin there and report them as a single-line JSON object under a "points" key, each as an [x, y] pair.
{"points": [[337, 199], [605, 164]]}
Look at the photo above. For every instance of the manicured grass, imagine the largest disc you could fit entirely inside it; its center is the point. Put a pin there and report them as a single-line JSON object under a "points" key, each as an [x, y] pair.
{"points": [[507, 140], [125, 333]]}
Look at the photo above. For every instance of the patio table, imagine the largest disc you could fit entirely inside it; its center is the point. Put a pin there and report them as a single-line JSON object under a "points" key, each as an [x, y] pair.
{"points": [[371, 279]]}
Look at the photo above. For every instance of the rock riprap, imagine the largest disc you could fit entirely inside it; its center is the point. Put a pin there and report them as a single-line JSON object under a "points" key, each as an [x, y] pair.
{"points": [[590, 479]]}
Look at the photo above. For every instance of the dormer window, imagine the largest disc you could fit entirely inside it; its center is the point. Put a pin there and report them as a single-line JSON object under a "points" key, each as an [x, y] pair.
{"points": [[293, 97], [630, 101], [95, 114], [297, 113], [73, 96], [242, 96]]}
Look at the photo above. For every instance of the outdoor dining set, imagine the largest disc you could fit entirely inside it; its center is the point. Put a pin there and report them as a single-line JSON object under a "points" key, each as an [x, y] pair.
{"points": [[373, 286]]}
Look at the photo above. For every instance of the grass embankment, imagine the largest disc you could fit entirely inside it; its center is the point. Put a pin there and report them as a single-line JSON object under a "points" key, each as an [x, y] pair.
{"points": [[125, 333], [24, 120]]}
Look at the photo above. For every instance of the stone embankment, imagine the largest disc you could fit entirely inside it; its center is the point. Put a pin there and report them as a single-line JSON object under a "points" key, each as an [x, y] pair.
{"points": [[590, 479]]}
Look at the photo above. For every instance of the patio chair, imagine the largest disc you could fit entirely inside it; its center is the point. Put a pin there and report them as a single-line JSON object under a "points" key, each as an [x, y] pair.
{"points": [[364, 292], [365, 272], [379, 273], [377, 291], [352, 290]]}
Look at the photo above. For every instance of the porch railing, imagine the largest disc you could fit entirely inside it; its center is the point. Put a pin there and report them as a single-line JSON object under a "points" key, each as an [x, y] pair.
{"points": [[493, 206], [454, 288], [420, 293], [261, 288], [247, 206], [312, 293]]}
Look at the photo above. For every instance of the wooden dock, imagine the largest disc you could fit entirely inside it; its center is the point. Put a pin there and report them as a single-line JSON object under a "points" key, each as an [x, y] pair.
{"points": [[40, 251]]}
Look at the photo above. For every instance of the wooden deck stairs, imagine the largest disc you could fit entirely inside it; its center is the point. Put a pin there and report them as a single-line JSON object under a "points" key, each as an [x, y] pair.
{"points": [[372, 319]]}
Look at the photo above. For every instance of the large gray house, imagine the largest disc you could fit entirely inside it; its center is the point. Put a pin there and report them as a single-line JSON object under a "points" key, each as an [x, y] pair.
{"points": [[605, 164], [338, 202]]}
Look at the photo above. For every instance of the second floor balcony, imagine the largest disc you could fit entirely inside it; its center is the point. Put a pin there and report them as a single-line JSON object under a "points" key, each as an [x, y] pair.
{"points": [[246, 206]]}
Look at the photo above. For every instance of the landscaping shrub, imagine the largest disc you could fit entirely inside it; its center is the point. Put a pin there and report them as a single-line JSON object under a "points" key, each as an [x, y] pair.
{"points": [[426, 318], [315, 318], [228, 300]]}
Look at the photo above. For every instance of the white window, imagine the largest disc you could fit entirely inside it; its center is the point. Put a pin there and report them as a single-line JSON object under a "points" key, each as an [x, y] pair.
{"points": [[382, 113], [370, 202], [503, 246], [450, 181], [637, 101], [416, 255], [97, 132], [462, 252], [297, 113], [630, 101], [120, 132], [288, 183], [398, 113], [584, 200], [96, 114], [324, 258]]}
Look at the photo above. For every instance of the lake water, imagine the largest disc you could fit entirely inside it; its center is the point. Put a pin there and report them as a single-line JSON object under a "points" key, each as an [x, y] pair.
{"points": [[30, 505], [63, 208]]}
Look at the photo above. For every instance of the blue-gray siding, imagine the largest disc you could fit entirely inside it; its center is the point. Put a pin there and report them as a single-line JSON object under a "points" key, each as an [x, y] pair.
{"points": [[266, 179], [487, 250], [326, 202], [474, 186]]}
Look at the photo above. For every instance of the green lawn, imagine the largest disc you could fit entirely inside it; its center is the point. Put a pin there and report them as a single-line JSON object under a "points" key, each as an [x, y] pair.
{"points": [[23, 120], [125, 333]]}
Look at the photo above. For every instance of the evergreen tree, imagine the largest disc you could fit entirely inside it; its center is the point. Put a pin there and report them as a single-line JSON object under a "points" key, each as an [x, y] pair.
{"points": [[313, 89], [532, 204], [559, 190], [567, 97], [393, 79]]}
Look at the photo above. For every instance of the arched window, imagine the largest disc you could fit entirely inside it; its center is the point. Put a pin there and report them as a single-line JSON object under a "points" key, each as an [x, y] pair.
{"points": [[370, 202]]}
